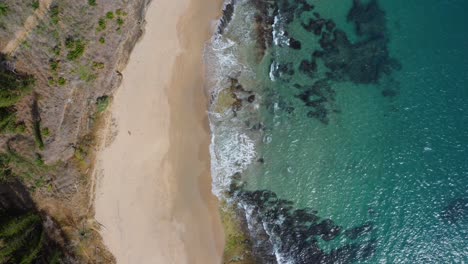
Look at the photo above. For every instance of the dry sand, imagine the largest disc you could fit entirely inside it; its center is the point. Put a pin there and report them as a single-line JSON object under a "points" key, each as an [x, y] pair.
{"points": [[153, 194]]}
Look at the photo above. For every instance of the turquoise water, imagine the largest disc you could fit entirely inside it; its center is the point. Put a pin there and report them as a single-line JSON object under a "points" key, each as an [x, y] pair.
{"points": [[389, 155]]}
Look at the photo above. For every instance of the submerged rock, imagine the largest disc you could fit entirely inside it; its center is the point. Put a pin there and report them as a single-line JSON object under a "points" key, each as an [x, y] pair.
{"points": [[356, 232], [294, 44]]}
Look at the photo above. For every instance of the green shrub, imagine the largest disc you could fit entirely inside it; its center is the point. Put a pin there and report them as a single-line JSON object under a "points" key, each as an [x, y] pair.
{"points": [[3, 9], [51, 81], [54, 64], [55, 14], [120, 12], [102, 24], [8, 122], [23, 239], [98, 65], [102, 40], [86, 73], [45, 132], [35, 4], [13, 86], [92, 2], [38, 135], [110, 15], [120, 21], [76, 48], [56, 50], [102, 103], [61, 81]]}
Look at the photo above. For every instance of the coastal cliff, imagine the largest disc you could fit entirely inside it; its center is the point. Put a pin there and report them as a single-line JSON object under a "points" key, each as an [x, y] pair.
{"points": [[60, 64]]}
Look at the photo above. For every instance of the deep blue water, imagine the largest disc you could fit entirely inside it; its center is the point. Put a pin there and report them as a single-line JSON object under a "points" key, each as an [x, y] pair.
{"points": [[361, 155]]}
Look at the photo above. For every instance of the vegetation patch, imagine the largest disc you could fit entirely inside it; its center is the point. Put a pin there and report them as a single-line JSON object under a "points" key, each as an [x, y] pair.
{"points": [[92, 2], [76, 48], [120, 21], [110, 15], [238, 246], [9, 123], [102, 40], [61, 81], [98, 65], [3, 9], [35, 4], [86, 73], [55, 14], [13, 87], [102, 103], [102, 24], [54, 65], [120, 12]]}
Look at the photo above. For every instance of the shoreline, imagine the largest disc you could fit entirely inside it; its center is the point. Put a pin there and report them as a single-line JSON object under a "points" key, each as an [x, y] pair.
{"points": [[153, 194]]}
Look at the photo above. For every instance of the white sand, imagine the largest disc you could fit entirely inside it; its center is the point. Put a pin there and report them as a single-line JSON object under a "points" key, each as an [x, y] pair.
{"points": [[153, 185]]}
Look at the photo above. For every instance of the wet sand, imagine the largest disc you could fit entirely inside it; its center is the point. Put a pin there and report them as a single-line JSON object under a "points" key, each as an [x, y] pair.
{"points": [[153, 194]]}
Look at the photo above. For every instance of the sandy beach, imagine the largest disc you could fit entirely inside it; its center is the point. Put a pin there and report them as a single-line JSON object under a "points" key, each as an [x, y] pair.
{"points": [[153, 194]]}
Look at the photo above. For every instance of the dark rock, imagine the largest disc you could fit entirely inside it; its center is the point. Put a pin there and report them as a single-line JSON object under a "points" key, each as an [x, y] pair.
{"points": [[226, 18], [330, 25], [368, 18], [294, 44], [317, 54], [456, 210], [308, 67], [358, 231], [315, 26], [389, 93]]}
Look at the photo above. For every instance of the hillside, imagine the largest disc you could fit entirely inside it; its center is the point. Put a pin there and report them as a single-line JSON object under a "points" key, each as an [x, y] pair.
{"points": [[60, 62]]}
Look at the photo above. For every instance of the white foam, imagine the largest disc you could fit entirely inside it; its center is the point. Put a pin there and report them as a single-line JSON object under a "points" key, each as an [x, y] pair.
{"points": [[231, 152], [279, 37]]}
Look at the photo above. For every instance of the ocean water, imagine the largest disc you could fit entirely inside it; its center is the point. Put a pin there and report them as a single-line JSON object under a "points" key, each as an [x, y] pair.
{"points": [[340, 127]]}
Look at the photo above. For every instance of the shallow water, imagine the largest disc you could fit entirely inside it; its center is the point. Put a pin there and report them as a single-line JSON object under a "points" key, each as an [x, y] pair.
{"points": [[388, 154]]}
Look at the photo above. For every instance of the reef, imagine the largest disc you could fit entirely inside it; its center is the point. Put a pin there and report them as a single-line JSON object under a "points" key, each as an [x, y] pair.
{"points": [[315, 97], [228, 11], [456, 210], [296, 232], [364, 61]]}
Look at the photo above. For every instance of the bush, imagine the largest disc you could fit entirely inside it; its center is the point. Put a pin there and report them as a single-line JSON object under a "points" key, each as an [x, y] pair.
{"points": [[45, 132], [86, 74], [102, 24], [102, 40], [35, 4], [98, 65], [120, 21], [55, 14], [61, 81], [102, 103], [38, 135], [23, 239], [8, 122], [54, 64], [110, 15], [13, 86], [3, 9], [119, 12], [92, 2], [56, 50], [76, 48]]}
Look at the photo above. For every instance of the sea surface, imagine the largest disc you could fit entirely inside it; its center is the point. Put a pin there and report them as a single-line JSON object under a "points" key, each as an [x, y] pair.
{"points": [[340, 128]]}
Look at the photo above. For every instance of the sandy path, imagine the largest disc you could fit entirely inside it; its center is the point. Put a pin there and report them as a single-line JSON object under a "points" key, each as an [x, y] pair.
{"points": [[153, 192], [29, 25]]}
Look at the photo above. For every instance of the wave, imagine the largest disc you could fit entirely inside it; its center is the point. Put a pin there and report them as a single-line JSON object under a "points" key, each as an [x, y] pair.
{"points": [[232, 148]]}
